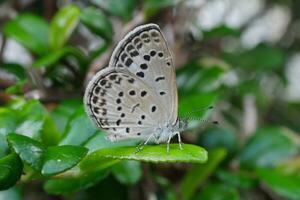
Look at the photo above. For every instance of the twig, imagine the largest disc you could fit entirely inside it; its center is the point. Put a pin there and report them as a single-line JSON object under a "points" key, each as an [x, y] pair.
{"points": [[3, 38]]}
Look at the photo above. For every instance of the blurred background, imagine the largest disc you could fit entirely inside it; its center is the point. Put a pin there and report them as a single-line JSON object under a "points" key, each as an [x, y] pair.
{"points": [[242, 57]]}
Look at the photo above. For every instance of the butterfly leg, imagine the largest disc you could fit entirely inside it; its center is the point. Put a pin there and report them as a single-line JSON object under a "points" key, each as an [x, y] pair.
{"points": [[179, 140], [168, 143], [142, 144]]}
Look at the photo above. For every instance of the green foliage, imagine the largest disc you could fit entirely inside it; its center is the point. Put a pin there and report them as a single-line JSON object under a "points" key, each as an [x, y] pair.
{"points": [[31, 31], [266, 58], [127, 172], [259, 151], [286, 185], [62, 26], [78, 123], [152, 7], [47, 137], [218, 191], [97, 22], [199, 173], [121, 8], [156, 153], [11, 169], [29, 150]]}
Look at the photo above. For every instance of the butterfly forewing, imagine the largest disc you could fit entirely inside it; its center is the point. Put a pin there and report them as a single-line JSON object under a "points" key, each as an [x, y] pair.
{"points": [[122, 104], [145, 54]]}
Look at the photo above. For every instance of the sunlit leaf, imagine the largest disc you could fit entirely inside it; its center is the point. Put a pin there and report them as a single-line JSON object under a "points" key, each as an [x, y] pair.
{"points": [[79, 128], [100, 141], [62, 25], [151, 153], [53, 57], [30, 151], [61, 158], [31, 31]]}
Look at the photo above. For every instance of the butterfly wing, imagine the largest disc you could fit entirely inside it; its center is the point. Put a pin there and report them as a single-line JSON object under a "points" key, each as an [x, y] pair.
{"points": [[145, 54], [122, 104]]}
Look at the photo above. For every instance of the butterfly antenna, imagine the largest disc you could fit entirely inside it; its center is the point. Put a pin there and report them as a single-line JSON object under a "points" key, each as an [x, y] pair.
{"points": [[189, 117]]}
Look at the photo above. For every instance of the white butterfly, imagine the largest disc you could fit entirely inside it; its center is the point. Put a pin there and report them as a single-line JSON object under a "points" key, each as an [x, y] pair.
{"points": [[136, 95]]}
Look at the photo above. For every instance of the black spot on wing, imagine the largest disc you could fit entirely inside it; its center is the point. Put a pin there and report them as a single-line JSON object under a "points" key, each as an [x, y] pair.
{"points": [[146, 57], [140, 74], [160, 78]]}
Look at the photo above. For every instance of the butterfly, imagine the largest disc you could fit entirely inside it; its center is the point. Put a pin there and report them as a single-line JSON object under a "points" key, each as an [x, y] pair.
{"points": [[135, 97]]}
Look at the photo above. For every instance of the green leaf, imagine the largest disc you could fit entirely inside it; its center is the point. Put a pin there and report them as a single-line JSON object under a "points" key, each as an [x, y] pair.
{"points": [[290, 166], [61, 186], [120, 8], [218, 191], [219, 32], [286, 185], [199, 173], [29, 30], [151, 153], [197, 102], [10, 194], [268, 147], [79, 128], [127, 171], [61, 158], [29, 150], [16, 88], [50, 134], [8, 121], [237, 179], [62, 25], [152, 7], [63, 112], [218, 137], [260, 58], [97, 22], [3, 146], [17, 70], [31, 115], [99, 141], [11, 168], [54, 57], [196, 77]]}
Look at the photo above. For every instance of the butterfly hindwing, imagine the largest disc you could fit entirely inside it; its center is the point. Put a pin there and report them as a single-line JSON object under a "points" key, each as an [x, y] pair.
{"points": [[122, 104], [145, 54]]}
